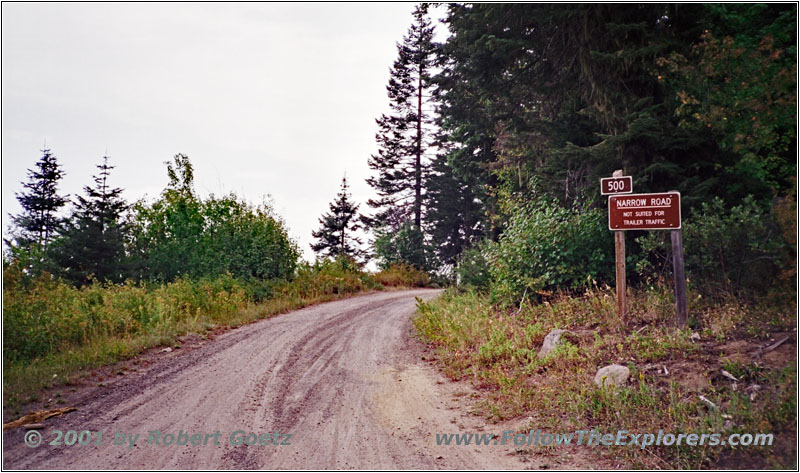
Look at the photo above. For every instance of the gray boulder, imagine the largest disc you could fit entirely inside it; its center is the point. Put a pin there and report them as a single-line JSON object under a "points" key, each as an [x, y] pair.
{"points": [[612, 375], [551, 341]]}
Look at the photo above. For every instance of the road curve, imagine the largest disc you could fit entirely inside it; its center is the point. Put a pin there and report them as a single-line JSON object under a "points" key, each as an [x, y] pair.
{"points": [[338, 377]]}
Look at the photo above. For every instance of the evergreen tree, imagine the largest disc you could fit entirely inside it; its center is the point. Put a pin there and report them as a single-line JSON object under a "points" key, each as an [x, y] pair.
{"points": [[403, 136], [37, 224], [335, 236], [566, 93], [406, 245], [92, 242], [738, 86], [453, 213], [39, 221]]}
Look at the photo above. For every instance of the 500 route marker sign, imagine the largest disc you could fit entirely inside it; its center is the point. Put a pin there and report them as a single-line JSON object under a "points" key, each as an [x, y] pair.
{"points": [[645, 211], [616, 185]]}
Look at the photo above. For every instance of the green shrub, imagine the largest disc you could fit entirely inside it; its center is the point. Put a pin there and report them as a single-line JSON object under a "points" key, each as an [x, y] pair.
{"points": [[472, 270], [726, 251], [548, 247], [180, 235], [52, 327], [44, 316]]}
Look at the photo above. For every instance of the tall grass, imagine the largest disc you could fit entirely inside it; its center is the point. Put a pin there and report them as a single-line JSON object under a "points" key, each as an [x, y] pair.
{"points": [[403, 275], [47, 316]]}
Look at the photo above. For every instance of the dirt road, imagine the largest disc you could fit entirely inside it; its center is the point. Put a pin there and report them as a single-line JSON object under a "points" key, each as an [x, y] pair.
{"points": [[344, 379]]}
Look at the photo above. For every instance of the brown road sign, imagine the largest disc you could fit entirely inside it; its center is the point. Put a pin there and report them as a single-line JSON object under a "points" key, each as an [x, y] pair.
{"points": [[645, 211], [616, 185]]}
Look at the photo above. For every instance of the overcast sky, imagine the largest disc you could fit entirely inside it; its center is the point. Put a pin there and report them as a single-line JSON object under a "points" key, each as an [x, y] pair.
{"points": [[265, 99]]}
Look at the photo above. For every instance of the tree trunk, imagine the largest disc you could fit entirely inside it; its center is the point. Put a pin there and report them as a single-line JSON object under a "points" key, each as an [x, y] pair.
{"points": [[418, 167]]}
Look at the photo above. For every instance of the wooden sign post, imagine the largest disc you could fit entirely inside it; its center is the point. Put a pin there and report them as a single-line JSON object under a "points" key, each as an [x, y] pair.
{"points": [[650, 212], [622, 289], [679, 277], [619, 184]]}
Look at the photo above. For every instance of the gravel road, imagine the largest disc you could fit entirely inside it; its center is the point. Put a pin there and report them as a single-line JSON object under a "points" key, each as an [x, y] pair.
{"points": [[345, 379]]}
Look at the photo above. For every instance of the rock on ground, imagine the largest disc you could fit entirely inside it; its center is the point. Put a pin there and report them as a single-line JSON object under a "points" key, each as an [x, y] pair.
{"points": [[551, 341], [612, 375]]}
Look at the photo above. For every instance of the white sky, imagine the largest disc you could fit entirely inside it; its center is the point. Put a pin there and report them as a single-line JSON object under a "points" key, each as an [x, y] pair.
{"points": [[265, 99]]}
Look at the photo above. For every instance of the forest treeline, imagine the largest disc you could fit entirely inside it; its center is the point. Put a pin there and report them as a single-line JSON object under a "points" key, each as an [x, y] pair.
{"points": [[490, 159], [101, 237]]}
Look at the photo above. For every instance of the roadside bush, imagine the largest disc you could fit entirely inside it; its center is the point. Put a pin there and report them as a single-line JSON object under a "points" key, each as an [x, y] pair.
{"points": [[472, 270], [403, 275], [737, 251], [549, 247], [52, 327], [46, 315], [180, 235]]}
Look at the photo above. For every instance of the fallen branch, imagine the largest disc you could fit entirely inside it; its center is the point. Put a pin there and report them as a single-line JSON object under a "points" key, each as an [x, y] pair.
{"points": [[772, 347], [37, 417]]}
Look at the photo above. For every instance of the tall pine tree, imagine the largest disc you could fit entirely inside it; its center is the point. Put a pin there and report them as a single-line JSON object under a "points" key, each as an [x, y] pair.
{"points": [[38, 222], [404, 135], [93, 240], [336, 235], [453, 213]]}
